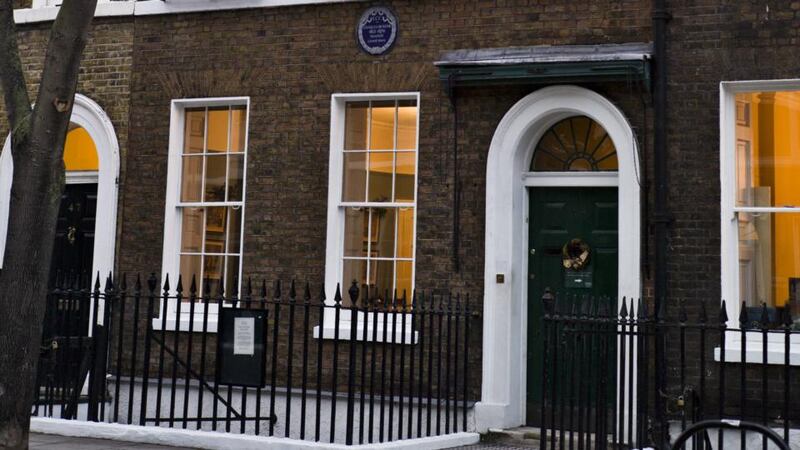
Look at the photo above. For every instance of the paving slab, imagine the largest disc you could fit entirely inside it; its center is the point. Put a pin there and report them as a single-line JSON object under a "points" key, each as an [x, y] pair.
{"points": [[41, 441]]}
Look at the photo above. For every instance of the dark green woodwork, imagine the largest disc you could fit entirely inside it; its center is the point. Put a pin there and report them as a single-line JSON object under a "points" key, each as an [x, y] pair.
{"points": [[557, 215], [546, 73]]}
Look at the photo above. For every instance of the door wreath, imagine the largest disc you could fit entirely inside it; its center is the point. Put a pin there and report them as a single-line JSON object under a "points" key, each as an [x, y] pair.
{"points": [[575, 254]]}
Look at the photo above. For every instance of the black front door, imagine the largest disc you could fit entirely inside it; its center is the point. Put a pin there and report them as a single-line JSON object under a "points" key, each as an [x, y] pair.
{"points": [[73, 250], [587, 218]]}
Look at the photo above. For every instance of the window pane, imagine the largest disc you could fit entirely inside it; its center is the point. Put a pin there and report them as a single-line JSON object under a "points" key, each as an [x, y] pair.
{"points": [[195, 131], [769, 260], [192, 230], [382, 126], [215, 229], [355, 177], [217, 130], [404, 277], [380, 176], [768, 149], [354, 269], [382, 236], [234, 229], [191, 178], [238, 128], [232, 275], [407, 125], [575, 144], [405, 176], [212, 273], [235, 177], [190, 267], [382, 275], [355, 123], [405, 232], [355, 231], [215, 178]]}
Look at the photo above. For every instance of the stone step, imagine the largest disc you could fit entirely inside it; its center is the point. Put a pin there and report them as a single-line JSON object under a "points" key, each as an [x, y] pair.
{"points": [[522, 437]]}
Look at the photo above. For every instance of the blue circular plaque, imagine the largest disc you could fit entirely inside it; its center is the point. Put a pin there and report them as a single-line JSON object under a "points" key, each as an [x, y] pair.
{"points": [[377, 30]]}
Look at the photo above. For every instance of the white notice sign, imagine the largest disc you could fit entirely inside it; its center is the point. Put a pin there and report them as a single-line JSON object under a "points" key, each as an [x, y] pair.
{"points": [[244, 335]]}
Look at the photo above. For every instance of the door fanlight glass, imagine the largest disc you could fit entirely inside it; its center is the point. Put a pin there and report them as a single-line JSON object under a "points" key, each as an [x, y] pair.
{"points": [[575, 144]]}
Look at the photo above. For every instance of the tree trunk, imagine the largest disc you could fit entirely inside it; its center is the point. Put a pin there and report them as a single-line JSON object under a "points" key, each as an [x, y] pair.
{"points": [[37, 147]]}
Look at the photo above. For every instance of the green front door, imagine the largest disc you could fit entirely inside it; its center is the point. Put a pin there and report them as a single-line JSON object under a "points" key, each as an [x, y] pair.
{"points": [[558, 216]]}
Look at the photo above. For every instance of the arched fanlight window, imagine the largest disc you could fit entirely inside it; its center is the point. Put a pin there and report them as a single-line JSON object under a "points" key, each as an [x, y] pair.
{"points": [[575, 144]]}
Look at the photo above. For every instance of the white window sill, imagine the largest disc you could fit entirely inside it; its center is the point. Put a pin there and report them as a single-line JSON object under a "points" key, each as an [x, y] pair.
{"points": [[754, 353], [183, 324], [399, 336]]}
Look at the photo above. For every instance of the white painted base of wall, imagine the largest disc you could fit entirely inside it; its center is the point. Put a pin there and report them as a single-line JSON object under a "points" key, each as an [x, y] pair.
{"points": [[214, 440]]}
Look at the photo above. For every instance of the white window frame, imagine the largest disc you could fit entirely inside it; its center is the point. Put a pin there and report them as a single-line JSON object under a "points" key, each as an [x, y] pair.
{"points": [[173, 218], [334, 252], [729, 232]]}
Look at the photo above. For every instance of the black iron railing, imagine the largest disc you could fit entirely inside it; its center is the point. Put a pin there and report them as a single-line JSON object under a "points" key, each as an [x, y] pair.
{"points": [[374, 368], [600, 388]]}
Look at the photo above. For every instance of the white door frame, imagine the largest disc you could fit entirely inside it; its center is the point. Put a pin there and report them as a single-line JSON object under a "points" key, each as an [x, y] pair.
{"points": [[90, 116], [505, 303]]}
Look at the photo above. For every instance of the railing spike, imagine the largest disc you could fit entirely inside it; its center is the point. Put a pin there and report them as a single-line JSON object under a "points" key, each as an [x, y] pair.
{"points": [[124, 284], [109, 283], [743, 318], [166, 283], [764, 316], [207, 288], [263, 288], [787, 315], [337, 297], [179, 287], [623, 312], [307, 294], [322, 296], [292, 291], [193, 286], [249, 288], [152, 282], [353, 293], [723, 313], [276, 293], [138, 285], [641, 311], [703, 318], [221, 289]]}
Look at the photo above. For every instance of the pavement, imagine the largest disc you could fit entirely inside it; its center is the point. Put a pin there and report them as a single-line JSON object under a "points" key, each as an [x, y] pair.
{"points": [[52, 441]]}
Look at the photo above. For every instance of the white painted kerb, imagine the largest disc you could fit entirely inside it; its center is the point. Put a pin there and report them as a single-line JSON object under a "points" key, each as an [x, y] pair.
{"points": [[213, 440], [503, 390]]}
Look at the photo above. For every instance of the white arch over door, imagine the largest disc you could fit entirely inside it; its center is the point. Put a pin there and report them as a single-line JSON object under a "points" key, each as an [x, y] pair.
{"points": [[505, 303], [89, 115]]}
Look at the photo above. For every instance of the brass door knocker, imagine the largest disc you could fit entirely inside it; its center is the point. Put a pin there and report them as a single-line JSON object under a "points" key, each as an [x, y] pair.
{"points": [[71, 235]]}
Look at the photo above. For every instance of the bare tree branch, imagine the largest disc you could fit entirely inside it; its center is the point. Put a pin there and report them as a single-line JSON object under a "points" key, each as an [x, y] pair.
{"points": [[12, 79]]}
